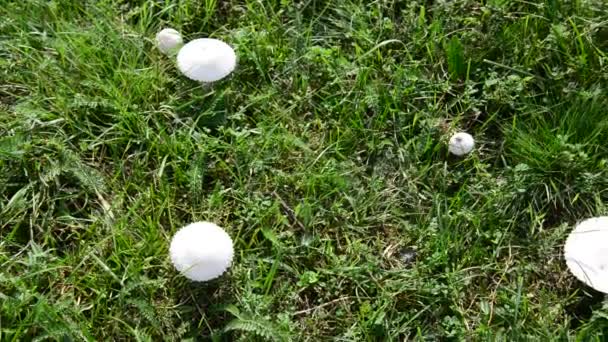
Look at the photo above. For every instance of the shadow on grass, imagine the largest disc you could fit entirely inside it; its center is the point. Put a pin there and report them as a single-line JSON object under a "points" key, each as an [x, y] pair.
{"points": [[203, 304], [582, 310]]}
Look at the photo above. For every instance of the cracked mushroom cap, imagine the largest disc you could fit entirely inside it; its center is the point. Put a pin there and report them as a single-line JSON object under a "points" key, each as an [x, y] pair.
{"points": [[461, 143]]}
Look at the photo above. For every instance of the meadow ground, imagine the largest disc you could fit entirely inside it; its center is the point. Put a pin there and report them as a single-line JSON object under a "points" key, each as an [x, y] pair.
{"points": [[324, 156]]}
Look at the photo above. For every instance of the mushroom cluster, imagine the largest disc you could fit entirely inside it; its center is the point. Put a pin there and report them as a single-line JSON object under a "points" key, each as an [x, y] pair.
{"points": [[204, 60], [203, 251]]}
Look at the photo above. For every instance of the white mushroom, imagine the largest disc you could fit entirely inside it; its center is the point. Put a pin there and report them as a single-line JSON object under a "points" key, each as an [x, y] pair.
{"points": [[461, 143], [201, 251], [586, 252], [168, 40], [206, 60]]}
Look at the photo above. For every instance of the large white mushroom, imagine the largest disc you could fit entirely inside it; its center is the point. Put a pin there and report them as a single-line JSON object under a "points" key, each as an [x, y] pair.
{"points": [[206, 60], [168, 40], [201, 251], [461, 143], [586, 252]]}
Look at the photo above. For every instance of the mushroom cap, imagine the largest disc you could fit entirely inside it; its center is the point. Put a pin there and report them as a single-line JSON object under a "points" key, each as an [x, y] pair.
{"points": [[201, 251], [461, 143], [168, 40], [586, 252], [206, 60]]}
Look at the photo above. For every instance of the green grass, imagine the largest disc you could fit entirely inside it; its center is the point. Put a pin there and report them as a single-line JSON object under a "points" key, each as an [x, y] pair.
{"points": [[324, 156]]}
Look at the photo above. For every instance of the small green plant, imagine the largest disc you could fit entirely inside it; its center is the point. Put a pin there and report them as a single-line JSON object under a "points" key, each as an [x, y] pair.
{"points": [[258, 326]]}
